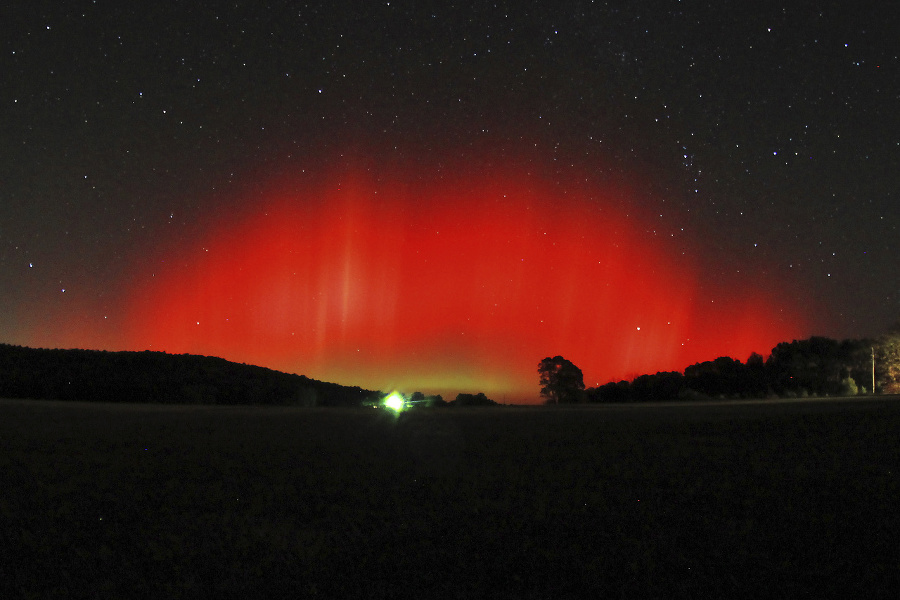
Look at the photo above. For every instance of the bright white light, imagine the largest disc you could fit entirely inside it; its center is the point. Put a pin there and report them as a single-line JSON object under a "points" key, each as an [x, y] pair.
{"points": [[395, 402]]}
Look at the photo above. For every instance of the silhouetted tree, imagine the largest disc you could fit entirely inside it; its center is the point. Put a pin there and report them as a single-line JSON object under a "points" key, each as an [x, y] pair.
{"points": [[818, 365], [856, 356], [478, 399], [757, 378], [418, 399], [756, 360], [561, 381], [887, 360], [610, 392], [435, 401], [666, 385], [714, 377]]}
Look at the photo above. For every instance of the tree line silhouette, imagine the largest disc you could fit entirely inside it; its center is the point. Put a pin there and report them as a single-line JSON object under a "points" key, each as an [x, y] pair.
{"points": [[818, 366], [101, 376]]}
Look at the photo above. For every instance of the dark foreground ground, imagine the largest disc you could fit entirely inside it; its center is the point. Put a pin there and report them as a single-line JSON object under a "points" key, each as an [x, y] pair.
{"points": [[767, 500]]}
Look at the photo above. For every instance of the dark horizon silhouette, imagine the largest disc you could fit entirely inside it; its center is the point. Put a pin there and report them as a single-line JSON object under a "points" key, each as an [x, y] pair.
{"points": [[813, 367]]}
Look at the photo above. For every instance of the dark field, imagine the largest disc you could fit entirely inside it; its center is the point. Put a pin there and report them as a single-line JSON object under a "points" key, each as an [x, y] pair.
{"points": [[721, 500]]}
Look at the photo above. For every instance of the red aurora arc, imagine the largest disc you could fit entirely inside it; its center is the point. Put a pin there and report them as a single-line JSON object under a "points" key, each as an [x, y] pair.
{"points": [[443, 287]]}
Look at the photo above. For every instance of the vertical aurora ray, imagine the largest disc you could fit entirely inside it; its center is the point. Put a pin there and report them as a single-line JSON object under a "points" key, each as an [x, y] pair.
{"points": [[440, 285]]}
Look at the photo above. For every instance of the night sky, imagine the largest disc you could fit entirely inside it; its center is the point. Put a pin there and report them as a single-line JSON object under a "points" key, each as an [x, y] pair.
{"points": [[435, 196]]}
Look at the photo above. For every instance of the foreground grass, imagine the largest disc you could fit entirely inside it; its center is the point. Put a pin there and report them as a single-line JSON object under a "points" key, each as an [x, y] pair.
{"points": [[762, 500]]}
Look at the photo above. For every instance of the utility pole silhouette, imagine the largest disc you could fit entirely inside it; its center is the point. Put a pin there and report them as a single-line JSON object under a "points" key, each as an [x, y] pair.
{"points": [[873, 370]]}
